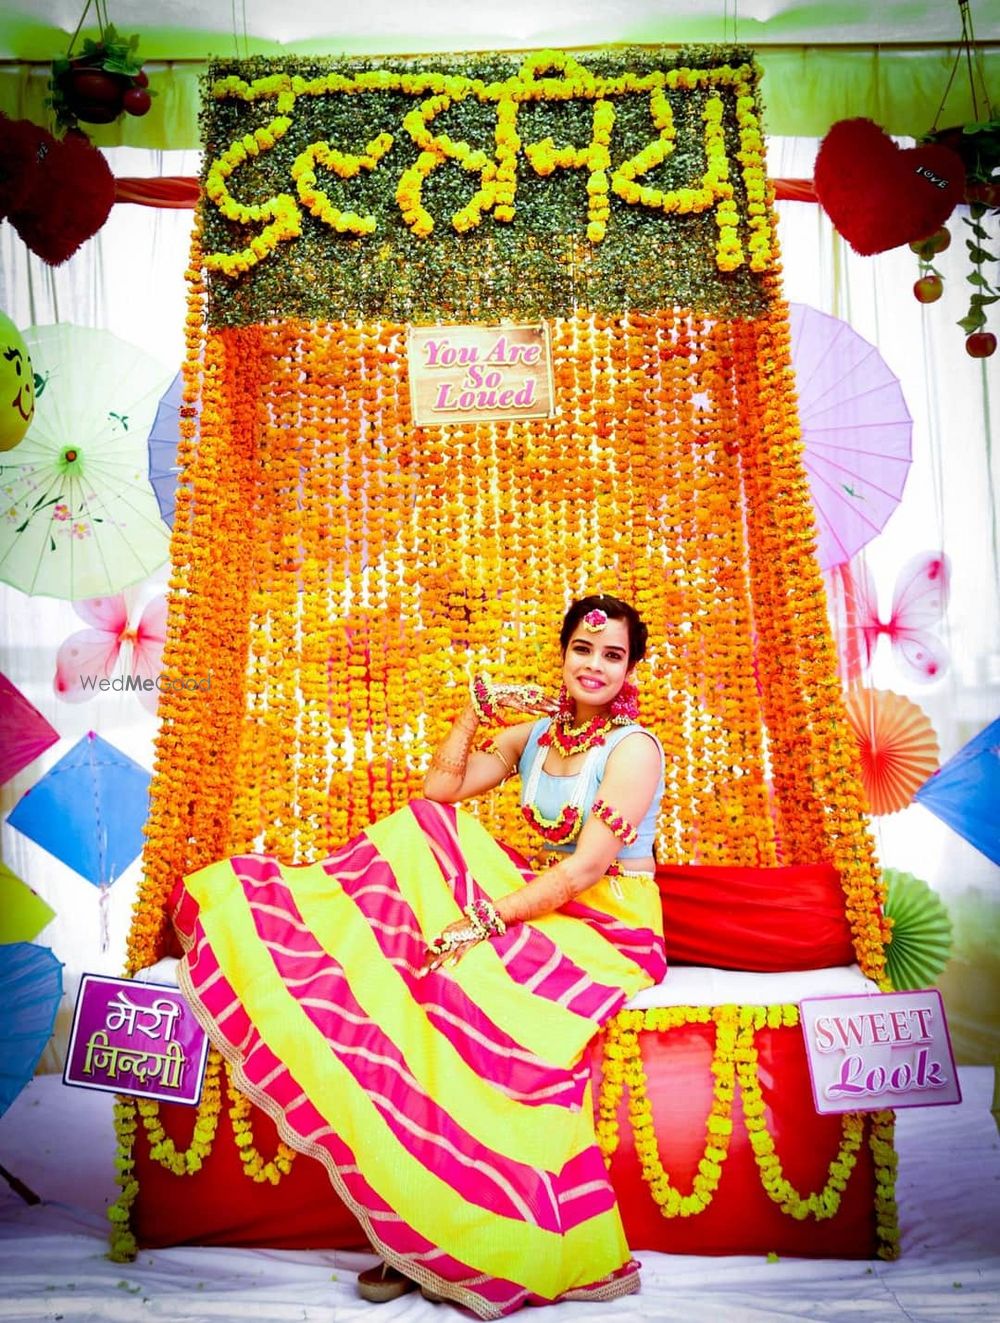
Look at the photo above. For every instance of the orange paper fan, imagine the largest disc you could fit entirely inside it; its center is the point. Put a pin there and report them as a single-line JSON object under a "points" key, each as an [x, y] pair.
{"points": [[899, 749]]}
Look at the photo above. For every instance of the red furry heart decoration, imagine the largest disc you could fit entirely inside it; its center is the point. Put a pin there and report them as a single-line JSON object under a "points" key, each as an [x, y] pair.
{"points": [[70, 196], [21, 143], [880, 195]]}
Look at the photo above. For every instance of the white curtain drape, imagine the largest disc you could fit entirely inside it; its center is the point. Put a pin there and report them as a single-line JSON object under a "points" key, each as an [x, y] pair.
{"points": [[129, 279]]}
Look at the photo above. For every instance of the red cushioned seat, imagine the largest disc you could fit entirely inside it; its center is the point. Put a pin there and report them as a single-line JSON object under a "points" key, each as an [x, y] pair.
{"points": [[764, 920]]}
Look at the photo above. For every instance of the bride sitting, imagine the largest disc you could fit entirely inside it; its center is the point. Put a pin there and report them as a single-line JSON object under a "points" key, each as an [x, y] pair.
{"points": [[414, 1010]]}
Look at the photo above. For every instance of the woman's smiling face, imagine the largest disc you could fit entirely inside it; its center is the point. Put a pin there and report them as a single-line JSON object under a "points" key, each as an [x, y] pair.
{"points": [[596, 665]]}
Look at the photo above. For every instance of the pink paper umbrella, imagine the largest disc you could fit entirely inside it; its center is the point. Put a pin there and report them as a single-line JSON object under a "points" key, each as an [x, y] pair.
{"points": [[24, 732], [856, 430]]}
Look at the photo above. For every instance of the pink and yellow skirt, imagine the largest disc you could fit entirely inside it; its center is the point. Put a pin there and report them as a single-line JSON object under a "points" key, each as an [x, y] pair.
{"points": [[451, 1111]]}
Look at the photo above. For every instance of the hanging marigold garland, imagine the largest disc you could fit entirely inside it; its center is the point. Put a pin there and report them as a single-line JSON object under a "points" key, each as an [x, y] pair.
{"points": [[343, 573], [734, 1062]]}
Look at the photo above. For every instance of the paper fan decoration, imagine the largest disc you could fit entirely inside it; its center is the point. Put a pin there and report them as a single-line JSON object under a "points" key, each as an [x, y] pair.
{"points": [[921, 931], [899, 749]]}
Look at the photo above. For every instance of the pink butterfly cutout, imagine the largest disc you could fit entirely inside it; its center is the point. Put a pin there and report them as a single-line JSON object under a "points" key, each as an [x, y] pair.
{"points": [[918, 605], [92, 654]]}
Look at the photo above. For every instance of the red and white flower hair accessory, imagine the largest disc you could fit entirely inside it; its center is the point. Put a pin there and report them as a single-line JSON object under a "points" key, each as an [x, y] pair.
{"points": [[594, 621]]}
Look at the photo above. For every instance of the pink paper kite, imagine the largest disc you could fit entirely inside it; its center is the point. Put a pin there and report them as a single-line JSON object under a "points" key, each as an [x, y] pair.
{"points": [[24, 732]]}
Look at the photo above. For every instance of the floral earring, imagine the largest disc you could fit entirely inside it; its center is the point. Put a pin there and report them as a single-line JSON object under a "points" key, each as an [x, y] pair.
{"points": [[625, 705], [566, 711]]}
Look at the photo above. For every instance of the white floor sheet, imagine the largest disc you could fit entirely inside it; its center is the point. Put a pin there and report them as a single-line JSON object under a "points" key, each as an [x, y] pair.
{"points": [[59, 1142]]}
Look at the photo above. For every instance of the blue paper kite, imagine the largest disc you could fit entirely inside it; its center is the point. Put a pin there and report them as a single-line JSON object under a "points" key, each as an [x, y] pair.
{"points": [[88, 810], [965, 792]]}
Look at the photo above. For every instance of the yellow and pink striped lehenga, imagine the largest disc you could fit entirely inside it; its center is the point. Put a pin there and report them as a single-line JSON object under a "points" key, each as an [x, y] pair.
{"points": [[452, 1110]]}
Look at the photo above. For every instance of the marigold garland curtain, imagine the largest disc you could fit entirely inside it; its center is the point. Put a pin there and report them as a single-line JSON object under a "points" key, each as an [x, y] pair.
{"points": [[347, 572]]}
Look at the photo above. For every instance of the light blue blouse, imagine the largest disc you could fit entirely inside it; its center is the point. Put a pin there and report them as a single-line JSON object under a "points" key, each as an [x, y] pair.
{"points": [[554, 792]]}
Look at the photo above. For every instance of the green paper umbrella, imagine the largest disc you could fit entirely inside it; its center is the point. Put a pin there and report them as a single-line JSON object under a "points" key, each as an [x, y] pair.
{"points": [[23, 913], [921, 931], [78, 515]]}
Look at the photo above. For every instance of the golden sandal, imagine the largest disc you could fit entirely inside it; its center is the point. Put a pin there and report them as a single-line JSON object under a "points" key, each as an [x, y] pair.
{"points": [[383, 1283]]}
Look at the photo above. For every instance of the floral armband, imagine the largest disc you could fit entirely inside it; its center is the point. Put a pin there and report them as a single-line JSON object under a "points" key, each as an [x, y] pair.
{"points": [[615, 823]]}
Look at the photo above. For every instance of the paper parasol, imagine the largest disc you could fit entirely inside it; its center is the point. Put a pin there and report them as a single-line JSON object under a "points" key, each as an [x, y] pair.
{"points": [[856, 432], [80, 518], [30, 992], [162, 442], [88, 810], [965, 792], [23, 913], [24, 732], [899, 749], [921, 931]]}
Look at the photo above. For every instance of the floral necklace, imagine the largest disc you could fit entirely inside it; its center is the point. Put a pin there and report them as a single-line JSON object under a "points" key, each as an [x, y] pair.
{"points": [[568, 740], [557, 830], [566, 825]]}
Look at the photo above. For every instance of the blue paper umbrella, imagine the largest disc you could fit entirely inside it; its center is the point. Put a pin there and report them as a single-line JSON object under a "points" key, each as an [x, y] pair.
{"points": [[30, 992], [88, 810], [965, 792], [163, 438]]}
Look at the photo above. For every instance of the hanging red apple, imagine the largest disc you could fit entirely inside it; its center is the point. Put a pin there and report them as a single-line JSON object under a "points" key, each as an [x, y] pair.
{"points": [[136, 101], [928, 289], [981, 344], [100, 83], [933, 244], [87, 84]]}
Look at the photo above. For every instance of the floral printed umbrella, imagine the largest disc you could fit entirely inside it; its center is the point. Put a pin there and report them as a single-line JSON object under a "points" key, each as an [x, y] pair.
{"points": [[855, 429], [78, 517]]}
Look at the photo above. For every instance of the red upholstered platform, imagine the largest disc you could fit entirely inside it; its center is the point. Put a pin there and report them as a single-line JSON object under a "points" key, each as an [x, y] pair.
{"points": [[751, 919], [221, 1206]]}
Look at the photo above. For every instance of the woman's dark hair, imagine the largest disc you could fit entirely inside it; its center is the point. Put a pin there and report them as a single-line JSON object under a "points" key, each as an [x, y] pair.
{"points": [[615, 610]]}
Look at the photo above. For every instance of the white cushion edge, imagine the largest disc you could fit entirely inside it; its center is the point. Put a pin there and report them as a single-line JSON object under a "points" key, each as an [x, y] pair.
{"points": [[164, 971], [696, 985]]}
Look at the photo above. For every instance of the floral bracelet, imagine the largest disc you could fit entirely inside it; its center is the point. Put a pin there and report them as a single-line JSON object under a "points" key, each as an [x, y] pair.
{"points": [[448, 941], [484, 918], [481, 694], [615, 823]]}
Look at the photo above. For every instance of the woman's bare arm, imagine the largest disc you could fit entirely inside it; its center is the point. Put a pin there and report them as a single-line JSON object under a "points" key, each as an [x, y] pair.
{"points": [[458, 772]]}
